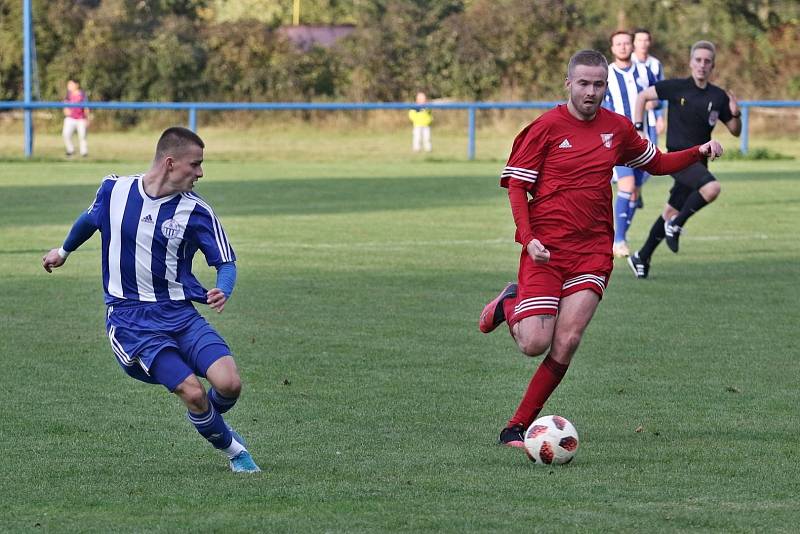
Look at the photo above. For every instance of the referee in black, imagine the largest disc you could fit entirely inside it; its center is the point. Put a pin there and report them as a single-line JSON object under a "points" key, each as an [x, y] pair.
{"points": [[695, 107]]}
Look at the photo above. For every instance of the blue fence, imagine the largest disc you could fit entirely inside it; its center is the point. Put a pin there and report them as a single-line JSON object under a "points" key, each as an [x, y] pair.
{"points": [[471, 107]]}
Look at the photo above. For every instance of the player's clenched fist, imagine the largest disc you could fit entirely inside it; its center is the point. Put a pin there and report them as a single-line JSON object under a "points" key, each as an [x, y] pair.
{"points": [[711, 150], [538, 251]]}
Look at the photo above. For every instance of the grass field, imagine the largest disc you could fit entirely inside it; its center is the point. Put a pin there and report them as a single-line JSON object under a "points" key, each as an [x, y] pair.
{"points": [[377, 136], [371, 400]]}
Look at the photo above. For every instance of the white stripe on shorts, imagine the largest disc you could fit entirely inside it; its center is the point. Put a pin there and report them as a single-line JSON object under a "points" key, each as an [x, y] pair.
{"points": [[537, 302], [586, 278], [119, 351]]}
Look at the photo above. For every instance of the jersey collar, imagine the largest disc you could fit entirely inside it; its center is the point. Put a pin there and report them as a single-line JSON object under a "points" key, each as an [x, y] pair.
{"points": [[148, 198]]}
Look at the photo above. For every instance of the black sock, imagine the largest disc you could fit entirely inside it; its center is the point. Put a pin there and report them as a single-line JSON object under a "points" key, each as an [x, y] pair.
{"points": [[655, 237], [693, 204], [499, 312]]}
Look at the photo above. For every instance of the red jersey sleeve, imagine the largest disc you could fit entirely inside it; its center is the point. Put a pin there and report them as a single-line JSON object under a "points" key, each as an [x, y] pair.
{"points": [[521, 172], [641, 153], [636, 152], [518, 198], [527, 155]]}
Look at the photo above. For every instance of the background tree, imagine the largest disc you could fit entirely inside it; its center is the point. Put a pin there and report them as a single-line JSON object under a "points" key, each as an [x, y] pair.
{"points": [[225, 50]]}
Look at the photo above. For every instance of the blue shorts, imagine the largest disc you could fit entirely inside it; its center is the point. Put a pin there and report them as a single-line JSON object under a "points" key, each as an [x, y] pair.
{"points": [[173, 331], [639, 176]]}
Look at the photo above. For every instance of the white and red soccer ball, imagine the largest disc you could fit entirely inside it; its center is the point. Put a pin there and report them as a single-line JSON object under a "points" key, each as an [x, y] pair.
{"points": [[551, 440]]}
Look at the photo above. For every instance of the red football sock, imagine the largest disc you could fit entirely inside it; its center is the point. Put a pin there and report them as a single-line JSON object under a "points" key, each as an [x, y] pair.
{"points": [[541, 386]]}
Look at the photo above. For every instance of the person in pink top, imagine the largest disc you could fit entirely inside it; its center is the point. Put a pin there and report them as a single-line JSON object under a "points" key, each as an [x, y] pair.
{"points": [[75, 118]]}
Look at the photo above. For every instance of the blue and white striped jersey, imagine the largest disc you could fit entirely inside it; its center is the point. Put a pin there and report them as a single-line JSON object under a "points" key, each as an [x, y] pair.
{"points": [[148, 244], [624, 85], [655, 67]]}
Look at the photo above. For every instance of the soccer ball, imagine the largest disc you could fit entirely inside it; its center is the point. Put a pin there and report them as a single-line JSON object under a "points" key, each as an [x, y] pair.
{"points": [[551, 440]]}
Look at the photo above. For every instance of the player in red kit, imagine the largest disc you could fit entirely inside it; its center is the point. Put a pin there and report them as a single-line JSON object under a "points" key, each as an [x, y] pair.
{"points": [[559, 185]]}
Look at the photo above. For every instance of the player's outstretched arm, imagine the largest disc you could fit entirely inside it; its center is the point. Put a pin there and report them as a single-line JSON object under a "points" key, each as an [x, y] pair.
{"points": [[82, 229], [671, 162]]}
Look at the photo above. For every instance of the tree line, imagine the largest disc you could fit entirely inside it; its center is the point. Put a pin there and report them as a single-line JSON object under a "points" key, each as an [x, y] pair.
{"points": [[213, 50]]}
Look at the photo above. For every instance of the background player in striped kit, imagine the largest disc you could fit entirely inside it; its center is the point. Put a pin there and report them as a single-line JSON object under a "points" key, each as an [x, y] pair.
{"points": [[641, 54], [563, 161], [151, 225], [655, 112], [625, 80]]}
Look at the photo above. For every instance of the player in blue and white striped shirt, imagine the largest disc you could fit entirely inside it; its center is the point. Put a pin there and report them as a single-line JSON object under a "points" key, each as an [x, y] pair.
{"points": [[151, 225], [625, 80], [641, 54]]}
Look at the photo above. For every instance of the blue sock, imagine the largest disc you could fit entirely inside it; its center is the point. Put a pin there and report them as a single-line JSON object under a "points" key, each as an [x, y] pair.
{"points": [[621, 215], [220, 403], [211, 426], [632, 206]]}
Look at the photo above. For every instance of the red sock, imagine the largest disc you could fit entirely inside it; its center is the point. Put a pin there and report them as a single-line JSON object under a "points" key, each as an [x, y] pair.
{"points": [[541, 386], [508, 307]]}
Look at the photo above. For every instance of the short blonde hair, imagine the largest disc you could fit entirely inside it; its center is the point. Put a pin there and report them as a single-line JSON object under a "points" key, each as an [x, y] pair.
{"points": [[590, 58], [704, 45]]}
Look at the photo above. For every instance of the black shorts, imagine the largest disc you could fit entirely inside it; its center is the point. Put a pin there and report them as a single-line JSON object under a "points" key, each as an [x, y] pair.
{"points": [[687, 181]]}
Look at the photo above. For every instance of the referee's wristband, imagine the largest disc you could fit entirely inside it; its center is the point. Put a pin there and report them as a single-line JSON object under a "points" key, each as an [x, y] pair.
{"points": [[63, 253], [638, 126]]}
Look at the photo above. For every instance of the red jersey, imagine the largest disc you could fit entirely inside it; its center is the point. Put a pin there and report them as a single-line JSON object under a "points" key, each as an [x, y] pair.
{"points": [[76, 97], [565, 164]]}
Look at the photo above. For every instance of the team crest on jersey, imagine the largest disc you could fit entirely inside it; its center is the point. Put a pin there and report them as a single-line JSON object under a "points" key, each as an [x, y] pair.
{"points": [[607, 137], [172, 229], [712, 118]]}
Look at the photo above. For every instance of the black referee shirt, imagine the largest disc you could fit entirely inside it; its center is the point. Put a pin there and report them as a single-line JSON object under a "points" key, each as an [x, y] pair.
{"points": [[693, 112]]}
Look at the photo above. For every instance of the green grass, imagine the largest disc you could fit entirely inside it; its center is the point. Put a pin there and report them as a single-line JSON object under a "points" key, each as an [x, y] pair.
{"points": [[371, 399], [377, 136]]}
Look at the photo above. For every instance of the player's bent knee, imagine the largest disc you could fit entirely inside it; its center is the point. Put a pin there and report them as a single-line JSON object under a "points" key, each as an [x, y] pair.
{"points": [[534, 350], [711, 191], [533, 346], [224, 376], [193, 394], [230, 386], [534, 334]]}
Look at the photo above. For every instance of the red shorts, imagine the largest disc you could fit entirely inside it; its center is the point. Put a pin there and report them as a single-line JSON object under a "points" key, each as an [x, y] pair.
{"points": [[543, 285]]}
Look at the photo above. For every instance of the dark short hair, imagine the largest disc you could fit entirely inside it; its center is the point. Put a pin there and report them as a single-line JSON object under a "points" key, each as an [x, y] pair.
{"points": [[175, 139], [619, 32], [641, 30], [590, 58]]}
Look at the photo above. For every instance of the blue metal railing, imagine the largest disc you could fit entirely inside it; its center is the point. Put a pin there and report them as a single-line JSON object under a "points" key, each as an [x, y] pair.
{"points": [[27, 67], [744, 139], [471, 107]]}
